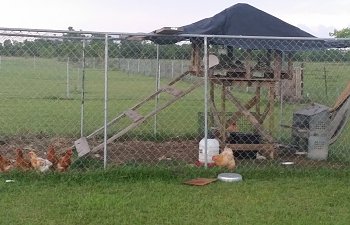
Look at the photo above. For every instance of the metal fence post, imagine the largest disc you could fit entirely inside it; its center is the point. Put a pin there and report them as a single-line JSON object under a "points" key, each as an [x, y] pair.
{"points": [[68, 94], [205, 59], [82, 94], [105, 104], [157, 88]]}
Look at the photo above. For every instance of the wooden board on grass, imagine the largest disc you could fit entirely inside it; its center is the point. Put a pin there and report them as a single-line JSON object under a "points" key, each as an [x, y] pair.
{"points": [[200, 181]]}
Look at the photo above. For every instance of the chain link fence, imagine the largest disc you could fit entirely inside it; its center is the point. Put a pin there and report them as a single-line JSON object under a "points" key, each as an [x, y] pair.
{"points": [[149, 100]]}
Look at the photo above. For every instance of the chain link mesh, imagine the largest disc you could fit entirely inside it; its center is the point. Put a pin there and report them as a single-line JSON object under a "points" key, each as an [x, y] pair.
{"points": [[272, 101]]}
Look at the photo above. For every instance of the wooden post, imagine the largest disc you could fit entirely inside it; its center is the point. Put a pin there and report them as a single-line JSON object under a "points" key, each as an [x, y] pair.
{"points": [[223, 113], [196, 57], [271, 114], [248, 64], [277, 69], [212, 101], [290, 68], [257, 94]]}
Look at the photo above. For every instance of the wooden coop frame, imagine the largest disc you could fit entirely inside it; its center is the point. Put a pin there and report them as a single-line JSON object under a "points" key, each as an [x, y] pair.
{"points": [[252, 109]]}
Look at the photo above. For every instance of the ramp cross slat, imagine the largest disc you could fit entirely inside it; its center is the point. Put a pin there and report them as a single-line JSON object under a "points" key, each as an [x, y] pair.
{"points": [[133, 115], [171, 90]]}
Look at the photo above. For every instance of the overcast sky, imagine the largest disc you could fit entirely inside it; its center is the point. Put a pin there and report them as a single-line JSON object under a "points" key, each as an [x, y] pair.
{"points": [[318, 17]]}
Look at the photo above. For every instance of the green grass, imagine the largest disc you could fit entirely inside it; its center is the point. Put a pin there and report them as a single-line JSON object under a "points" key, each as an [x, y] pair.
{"points": [[157, 196]]}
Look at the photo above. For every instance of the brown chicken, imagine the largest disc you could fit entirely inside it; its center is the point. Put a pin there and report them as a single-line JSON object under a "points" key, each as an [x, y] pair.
{"points": [[22, 163], [5, 164], [38, 163], [65, 161], [225, 159], [233, 127], [52, 157]]}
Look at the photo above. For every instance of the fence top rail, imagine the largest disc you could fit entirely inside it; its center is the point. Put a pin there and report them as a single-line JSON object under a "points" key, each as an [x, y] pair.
{"points": [[121, 35]]}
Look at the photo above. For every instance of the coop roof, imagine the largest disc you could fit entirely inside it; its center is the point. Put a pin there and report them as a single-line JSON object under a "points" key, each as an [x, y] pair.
{"points": [[245, 20]]}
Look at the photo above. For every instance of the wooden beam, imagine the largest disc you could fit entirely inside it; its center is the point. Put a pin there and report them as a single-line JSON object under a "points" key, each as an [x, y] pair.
{"points": [[257, 94], [223, 113], [238, 114], [265, 135], [277, 69], [196, 58], [271, 108], [248, 64]]}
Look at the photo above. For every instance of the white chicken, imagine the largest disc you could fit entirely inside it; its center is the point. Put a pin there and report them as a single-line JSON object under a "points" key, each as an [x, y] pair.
{"points": [[40, 164]]}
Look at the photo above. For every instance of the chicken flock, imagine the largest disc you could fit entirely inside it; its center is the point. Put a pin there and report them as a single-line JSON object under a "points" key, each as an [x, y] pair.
{"points": [[53, 162]]}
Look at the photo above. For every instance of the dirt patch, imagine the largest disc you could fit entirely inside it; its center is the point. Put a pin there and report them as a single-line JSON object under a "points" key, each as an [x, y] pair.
{"points": [[120, 152], [175, 152]]}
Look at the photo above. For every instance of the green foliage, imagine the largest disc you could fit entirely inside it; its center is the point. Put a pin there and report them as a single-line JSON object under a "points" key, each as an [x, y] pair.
{"points": [[71, 45], [343, 33]]}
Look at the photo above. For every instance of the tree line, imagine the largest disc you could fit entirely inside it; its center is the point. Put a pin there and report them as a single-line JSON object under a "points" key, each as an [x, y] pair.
{"points": [[69, 45]]}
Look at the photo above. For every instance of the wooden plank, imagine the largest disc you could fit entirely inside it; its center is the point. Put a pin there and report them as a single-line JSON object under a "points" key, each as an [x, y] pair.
{"points": [[265, 113], [251, 147], [238, 114], [196, 59], [248, 64], [342, 97], [258, 94], [229, 81], [212, 104], [133, 115], [298, 83], [290, 75], [200, 181], [250, 117], [338, 121], [223, 113], [277, 70], [271, 108], [171, 90]]}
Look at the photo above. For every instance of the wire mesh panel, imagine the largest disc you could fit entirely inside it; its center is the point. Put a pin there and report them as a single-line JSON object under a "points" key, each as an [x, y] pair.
{"points": [[53, 92]]}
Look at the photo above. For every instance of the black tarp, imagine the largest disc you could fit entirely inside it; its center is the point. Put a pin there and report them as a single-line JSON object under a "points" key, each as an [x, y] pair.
{"points": [[245, 20]]}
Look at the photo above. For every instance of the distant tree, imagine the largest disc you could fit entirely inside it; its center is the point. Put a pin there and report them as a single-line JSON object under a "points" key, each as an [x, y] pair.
{"points": [[343, 33], [8, 48]]}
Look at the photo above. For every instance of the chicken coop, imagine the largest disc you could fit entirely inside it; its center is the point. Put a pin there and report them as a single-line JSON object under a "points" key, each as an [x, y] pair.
{"points": [[238, 58], [123, 98]]}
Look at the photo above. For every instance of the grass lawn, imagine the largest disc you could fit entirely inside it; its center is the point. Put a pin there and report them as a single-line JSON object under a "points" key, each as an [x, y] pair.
{"points": [[156, 196]]}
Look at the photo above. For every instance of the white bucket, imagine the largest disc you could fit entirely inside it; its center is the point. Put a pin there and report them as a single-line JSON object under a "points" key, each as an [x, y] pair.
{"points": [[212, 149]]}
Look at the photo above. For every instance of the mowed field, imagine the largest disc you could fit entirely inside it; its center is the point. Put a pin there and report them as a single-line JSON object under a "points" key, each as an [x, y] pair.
{"points": [[35, 100], [156, 196]]}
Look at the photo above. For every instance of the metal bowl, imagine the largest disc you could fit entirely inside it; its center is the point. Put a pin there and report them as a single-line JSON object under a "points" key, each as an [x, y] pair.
{"points": [[229, 177], [287, 163]]}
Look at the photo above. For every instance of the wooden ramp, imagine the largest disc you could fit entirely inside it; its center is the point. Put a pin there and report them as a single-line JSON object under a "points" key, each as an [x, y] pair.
{"points": [[137, 119], [342, 98]]}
